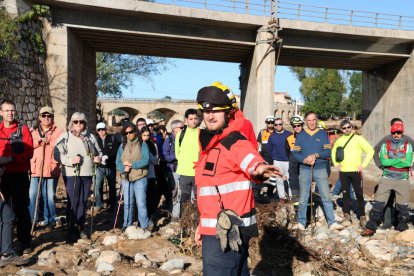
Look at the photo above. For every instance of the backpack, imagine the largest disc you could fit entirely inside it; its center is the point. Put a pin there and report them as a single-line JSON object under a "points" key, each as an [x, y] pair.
{"points": [[16, 140]]}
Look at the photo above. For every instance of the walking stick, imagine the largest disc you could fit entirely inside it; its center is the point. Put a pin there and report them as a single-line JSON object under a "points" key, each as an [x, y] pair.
{"points": [[94, 197], [39, 187], [313, 222], [77, 171], [121, 193]]}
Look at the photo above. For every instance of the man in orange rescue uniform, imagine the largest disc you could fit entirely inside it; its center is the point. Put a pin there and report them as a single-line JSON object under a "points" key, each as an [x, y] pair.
{"points": [[227, 164]]}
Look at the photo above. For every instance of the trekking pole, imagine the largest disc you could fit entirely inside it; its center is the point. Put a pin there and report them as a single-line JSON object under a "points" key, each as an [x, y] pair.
{"points": [[94, 197], [121, 193], [39, 185], [311, 203]]}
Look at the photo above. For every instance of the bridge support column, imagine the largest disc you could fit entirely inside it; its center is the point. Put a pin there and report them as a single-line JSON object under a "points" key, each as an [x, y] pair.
{"points": [[388, 93], [257, 81], [71, 70]]}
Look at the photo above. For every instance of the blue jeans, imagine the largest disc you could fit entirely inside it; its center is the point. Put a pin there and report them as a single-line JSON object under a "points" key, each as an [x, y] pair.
{"points": [[139, 189], [321, 178], [48, 191], [110, 174]]}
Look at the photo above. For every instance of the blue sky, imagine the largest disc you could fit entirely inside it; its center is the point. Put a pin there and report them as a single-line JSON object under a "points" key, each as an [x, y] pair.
{"points": [[186, 77]]}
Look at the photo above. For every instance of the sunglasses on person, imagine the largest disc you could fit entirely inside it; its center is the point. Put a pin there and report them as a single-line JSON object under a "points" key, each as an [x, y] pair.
{"points": [[46, 115], [397, 132], [270, 122], [278, 124], [75, 122], [295, 126], [130, 132], [101, 129], [346, 127]]}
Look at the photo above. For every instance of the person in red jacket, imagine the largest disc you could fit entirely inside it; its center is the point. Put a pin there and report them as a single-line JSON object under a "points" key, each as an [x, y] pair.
{"points": [[227, 165], [16, 142]]}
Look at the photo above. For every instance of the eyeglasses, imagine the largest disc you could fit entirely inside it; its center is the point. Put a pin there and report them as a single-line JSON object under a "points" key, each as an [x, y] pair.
{"points": [[347, 127], [270, 122], [75, 122], [101, 129], [278, 124], [295, 126], [46, 115], [397, 132], [129, 132]]}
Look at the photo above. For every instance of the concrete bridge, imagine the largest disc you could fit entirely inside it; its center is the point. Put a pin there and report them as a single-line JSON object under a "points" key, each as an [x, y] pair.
{"points": [[83, 27]]}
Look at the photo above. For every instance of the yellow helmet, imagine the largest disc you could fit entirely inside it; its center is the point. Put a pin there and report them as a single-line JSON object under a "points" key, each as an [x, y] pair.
{"points": [[321, 125], [216, 97]]}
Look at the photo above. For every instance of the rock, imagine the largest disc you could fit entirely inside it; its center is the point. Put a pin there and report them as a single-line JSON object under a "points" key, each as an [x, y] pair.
{"points": [[28, 271], [94, 252], [321, 233], [46, 258], [155, 249], [139, 257], [172, 264], [67, 256], [109, 257], [88, 273], [110, 240], [406, 236], [344, 233], [136, 233], [362, 263], [105, 268]]}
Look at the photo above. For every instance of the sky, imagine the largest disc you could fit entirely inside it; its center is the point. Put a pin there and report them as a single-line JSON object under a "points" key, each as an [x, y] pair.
{"points": [[186, 77]]}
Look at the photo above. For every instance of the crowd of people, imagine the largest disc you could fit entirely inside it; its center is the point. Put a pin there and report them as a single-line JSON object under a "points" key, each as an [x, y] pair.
{"points": [[214, 167]]}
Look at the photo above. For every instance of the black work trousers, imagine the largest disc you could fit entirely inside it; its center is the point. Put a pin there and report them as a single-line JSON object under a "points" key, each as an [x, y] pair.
{"points": [[354, 179]]}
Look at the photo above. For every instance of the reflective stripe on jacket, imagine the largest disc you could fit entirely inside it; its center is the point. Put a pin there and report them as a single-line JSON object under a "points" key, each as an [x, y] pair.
{"points": [[226, 162]]}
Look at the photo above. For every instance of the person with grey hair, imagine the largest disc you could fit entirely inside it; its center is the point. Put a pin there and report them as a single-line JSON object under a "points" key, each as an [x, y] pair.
{"points": [[78, 152], [171, 163]]}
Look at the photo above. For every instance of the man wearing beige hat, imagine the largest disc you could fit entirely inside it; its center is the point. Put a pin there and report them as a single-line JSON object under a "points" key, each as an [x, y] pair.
{"points": [[45, 170]]}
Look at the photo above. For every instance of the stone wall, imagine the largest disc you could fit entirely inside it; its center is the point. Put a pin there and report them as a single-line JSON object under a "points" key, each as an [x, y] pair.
{"points": [[24, 80]]}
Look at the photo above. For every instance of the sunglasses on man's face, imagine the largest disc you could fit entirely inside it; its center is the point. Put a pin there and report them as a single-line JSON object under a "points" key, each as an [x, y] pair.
{"points": [[270, 122], [278, 124], [101, 129], [46, 115], [75, 122], [346, 127], [397, 132], [295, 126]]}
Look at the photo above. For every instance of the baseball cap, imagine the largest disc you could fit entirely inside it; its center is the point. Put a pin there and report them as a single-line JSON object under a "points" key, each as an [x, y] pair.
{"points": [[100, 125], [46, 109], [397, 126]]}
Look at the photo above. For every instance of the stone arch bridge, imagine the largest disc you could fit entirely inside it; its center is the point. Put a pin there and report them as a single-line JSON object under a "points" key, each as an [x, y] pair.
{"points": [[169, 109], [136, 108]]}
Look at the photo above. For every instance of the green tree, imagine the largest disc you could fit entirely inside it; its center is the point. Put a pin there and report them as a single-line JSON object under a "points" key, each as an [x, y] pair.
{"points": [[322, 90], [116, 71], [354, 100]]}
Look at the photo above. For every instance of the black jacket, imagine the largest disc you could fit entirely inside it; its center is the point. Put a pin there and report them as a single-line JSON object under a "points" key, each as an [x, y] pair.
{"points": [[109, 148]]}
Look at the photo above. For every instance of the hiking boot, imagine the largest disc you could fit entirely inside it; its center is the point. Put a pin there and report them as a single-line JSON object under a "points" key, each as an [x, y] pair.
{"points": [[362, 221], [335, 226], [12, 259], [26, 248], [347, 220], [367, 232]]}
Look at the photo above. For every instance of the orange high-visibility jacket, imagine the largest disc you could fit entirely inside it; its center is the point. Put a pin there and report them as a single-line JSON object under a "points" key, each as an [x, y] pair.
{"points": [[226, 162]]}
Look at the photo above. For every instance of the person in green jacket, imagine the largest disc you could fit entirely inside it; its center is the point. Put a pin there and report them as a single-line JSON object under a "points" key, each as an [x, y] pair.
{"points": [[187, 153], [350, 169], [396, 157]]}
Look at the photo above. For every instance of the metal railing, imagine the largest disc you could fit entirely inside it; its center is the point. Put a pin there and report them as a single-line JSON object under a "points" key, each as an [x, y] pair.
{"points": [[296, 11]]}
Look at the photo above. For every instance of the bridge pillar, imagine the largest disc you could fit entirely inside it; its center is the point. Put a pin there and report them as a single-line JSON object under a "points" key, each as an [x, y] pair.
{"points": [[387, 93], [71, 70], [257, 81]]}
